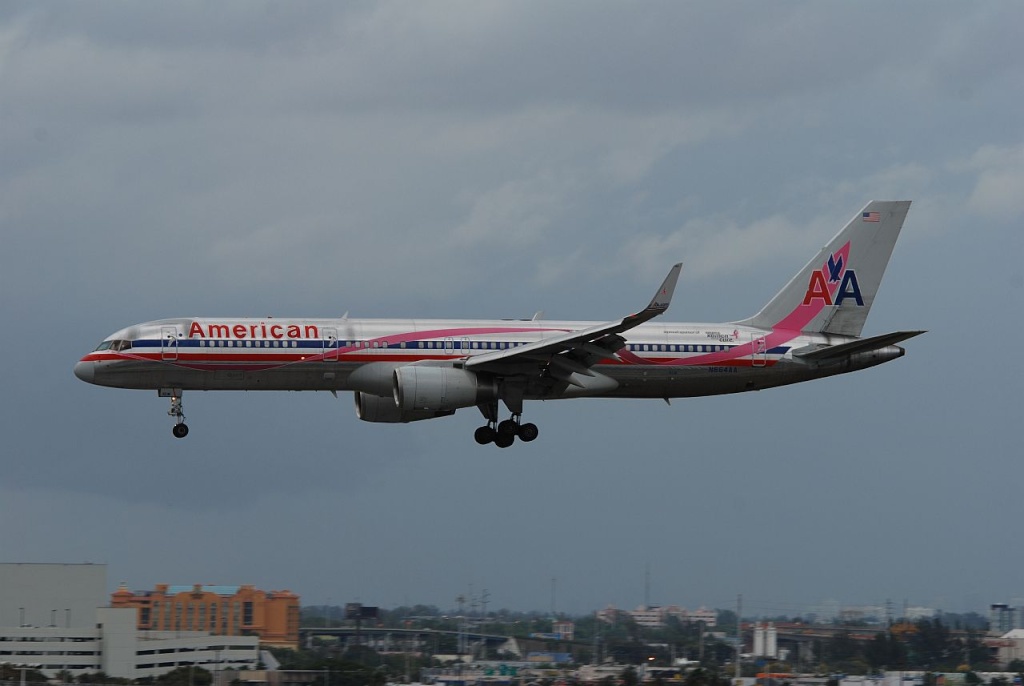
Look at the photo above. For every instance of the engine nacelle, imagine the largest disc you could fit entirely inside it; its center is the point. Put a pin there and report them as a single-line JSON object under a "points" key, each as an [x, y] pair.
{"points": [[374, 378], [420, 388], [377, 409]]}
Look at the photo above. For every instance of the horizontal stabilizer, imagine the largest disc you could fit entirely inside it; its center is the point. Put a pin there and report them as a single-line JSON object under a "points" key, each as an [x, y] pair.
{"points": [[860, 345]]}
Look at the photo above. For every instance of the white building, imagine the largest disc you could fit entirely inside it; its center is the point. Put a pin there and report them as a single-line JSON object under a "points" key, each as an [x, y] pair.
{"points": [[52, 594], [766, 640], [1009, 646], [98, 638], [649, 617]]}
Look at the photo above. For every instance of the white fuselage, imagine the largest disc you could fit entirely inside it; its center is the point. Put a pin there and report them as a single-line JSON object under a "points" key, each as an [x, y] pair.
{"points": [[659, 360]]}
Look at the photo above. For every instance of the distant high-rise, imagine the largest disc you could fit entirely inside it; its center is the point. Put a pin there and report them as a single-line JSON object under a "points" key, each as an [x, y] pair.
{"points": [[1002, 618]]}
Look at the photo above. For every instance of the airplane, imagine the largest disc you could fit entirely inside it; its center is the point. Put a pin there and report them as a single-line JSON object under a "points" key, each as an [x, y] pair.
{"points": [[407, 370]]}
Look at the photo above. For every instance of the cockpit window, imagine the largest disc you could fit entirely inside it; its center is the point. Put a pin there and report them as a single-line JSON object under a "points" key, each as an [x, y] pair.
{"points": [[115, 345]]}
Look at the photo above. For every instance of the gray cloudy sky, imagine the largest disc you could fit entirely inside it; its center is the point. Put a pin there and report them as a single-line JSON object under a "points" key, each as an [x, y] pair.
{"points": [[491, 159]]}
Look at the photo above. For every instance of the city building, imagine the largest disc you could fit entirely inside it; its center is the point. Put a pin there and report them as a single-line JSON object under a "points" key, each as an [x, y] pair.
{"points": [[114, 646], [273, 616], [611, 615], [1008, 647], [65, 595], [654, 617], [564, 630], [702, 614], [1002, 619], [51, 620], [766, 642], [649, 617]]}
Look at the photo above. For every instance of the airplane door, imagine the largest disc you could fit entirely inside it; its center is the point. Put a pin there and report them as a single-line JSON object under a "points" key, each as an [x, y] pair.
{"points": [[759, 358], [330, 344], [168, 343]]}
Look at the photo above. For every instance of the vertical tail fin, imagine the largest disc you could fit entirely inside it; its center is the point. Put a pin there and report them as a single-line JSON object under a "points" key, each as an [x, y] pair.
{"points": [[834, 292]]}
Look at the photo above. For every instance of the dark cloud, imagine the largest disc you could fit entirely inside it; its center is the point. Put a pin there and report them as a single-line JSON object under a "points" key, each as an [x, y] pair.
{"points": [[495, 159]]}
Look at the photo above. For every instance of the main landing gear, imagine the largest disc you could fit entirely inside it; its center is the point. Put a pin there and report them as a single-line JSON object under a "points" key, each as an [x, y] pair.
{"points": [[180, 429], [503, 434]]}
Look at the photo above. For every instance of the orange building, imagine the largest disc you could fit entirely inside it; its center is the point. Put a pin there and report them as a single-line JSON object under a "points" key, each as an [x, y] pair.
{"points": [[222, 610]]}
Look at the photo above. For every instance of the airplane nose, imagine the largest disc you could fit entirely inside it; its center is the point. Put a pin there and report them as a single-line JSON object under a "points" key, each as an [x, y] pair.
{"points": [[85, 371]]}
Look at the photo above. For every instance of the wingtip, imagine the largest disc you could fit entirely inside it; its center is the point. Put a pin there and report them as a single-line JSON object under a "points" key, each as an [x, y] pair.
{"points": [[663, 297]]}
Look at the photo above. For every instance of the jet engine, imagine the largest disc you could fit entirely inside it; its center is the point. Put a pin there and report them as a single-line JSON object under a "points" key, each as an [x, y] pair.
{"points": [[420, 388], [377, 409]]}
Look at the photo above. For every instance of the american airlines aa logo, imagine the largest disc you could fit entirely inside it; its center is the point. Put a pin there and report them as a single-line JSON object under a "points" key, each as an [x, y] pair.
{"points": [[823, 283]]}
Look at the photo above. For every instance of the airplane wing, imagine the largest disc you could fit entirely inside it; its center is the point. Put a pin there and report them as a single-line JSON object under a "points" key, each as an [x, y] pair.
{"points": [[576, 351], [829, 352]]}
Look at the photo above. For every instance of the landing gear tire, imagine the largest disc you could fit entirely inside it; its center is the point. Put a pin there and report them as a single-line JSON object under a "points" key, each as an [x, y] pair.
{"points": [[506, 434], [508, 428], [180, 430], [504, 440], [484, 435], [527, 432]]}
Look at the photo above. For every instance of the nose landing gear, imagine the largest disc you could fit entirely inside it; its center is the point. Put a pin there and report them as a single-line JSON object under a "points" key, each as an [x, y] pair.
{"points": [[180, 429]]}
